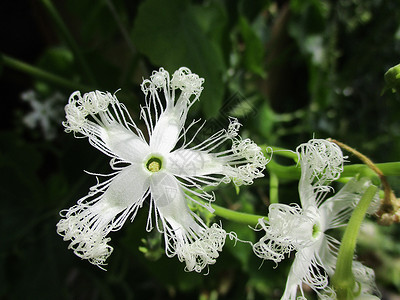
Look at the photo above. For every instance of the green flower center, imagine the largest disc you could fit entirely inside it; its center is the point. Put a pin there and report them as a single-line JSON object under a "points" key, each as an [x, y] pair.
{"points": [[315, 230], [154, 164]]}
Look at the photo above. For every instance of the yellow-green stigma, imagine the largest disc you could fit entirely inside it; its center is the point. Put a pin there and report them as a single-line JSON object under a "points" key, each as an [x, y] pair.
{"points": [[154, 164], [315, 231]]}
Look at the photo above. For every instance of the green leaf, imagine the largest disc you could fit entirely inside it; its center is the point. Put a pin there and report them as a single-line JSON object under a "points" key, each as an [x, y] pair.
{"points": [[241, 251], [169, 35], [58, 60], [254, 51], [266, 120], [392, 79], [96, 22], [213, 19]]}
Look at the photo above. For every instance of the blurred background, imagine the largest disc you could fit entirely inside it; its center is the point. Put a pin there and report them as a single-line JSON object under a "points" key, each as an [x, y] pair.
{"points": [[288, 70]]}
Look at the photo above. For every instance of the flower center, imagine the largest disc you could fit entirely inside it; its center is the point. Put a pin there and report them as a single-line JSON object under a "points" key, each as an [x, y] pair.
{"points": [[315, 230], [154, 164]]}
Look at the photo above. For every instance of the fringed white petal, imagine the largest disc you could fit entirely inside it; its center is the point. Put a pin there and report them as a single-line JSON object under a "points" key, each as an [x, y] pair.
{"points": [[87, 224], [185, 234], [106, 122], [125, 144], [87, 228], [166, 122], [365, 280], [245, 162], [328, 253], [190, 84], [187, 162], [303, 270], [288, 228], [365, 288], [166, 132], [307, 268], [293, 284], [75, 114], [204, 251], [171, 207], [242, 163], [267, 248], [339, 207], [321, 162]]}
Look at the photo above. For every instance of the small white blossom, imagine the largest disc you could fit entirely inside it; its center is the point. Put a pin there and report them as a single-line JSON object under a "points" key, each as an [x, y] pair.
{"points": [[302, 229], [365, 282], [45, 112], [365, 286], [166, 169]]}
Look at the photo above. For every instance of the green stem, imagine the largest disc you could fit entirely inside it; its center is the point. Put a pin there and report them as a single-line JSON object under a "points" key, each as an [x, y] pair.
{"points": [[280, 151], [121, 26], [284, 172], [294, 172], [343, 279], [132, 61], [69, 40], [273, 188], [39, 73], [236, 216]]}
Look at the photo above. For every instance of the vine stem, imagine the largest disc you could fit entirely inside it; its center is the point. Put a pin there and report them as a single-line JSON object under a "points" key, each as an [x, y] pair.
{"points": [[121, 26], [273, 188], [42, 74], [69, 39], [240, 217], [233, 215], [389, 205], [343, 280]]}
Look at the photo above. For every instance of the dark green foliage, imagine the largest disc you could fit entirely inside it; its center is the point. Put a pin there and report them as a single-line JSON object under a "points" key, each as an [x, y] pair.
{"points": [[173, 25]]}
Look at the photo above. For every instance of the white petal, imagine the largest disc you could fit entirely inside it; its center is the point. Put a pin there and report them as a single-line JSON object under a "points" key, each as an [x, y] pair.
{"points": [[306, 191], [88, 223], [305, 269], [107, 123], [204, 251], [169, 199], [188, 82], [178, 220], [242, 163], [166, 131], [127, 187], [193, 163], [321, 163], [365, 278], [327, 253], [323, 159], [267, 248], [292, 285], [337, 209], [185, 233], [124, 143]]}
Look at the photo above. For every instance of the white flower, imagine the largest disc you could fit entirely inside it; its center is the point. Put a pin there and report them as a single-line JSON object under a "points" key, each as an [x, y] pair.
{"points": [[302, 229], [45, 113], [365, 285], [164, 169], [365, 282]]}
